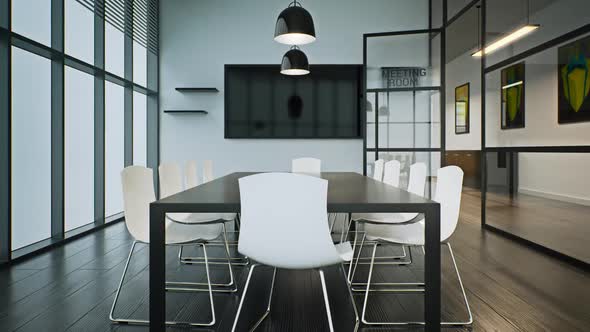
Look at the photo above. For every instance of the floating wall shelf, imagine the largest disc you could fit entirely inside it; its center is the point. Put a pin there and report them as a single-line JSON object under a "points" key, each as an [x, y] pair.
{"points": [[197, 89], [186, 111]]}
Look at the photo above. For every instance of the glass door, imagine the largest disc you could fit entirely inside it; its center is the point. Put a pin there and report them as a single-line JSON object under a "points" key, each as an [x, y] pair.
{"points": [[402, 73]]}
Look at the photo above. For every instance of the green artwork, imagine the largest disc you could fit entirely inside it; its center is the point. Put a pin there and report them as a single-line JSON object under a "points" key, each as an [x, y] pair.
{"points": [[462, 109], [574, 82], [513, 96]]}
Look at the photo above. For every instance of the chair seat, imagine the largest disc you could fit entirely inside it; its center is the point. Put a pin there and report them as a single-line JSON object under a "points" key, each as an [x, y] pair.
{"points": [[411, 234], [373, 231], [195, 218], [345, 251], [182, 233]]}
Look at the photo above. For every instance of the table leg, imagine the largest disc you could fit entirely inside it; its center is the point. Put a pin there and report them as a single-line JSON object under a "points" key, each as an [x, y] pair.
{"points": [[432, 271], [157, 269]]}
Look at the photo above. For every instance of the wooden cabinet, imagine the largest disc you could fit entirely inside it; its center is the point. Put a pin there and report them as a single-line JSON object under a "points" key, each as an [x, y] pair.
{"points": [[470, 162]]}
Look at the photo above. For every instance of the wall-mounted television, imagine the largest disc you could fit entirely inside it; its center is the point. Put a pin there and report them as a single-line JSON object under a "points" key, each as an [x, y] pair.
{"points": [[260, 102]]}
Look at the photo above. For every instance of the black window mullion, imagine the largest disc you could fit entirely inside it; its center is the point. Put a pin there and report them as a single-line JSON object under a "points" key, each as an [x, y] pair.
{"points": [[57, 121], [128, 75], [99, 114], [5, 134]]}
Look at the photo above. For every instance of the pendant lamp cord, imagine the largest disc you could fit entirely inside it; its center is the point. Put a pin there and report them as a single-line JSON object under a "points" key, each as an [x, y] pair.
{"points": [[528, 11], [478, 26], [295, 3]]}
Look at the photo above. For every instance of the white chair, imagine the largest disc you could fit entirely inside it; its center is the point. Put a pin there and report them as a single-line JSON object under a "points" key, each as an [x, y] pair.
{"points": [[448, 194], [170, 184], [378, 170], [371, 231], [306, 165], [190, 174], [391, 173], [207, 171], [138, 193], [272, 203]]}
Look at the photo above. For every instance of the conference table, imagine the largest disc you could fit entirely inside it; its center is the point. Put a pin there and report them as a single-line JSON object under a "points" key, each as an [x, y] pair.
{"points": [[347, 192]]}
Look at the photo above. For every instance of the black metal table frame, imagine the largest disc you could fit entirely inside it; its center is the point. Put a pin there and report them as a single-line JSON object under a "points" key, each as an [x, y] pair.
{"points": [[157, 274]]}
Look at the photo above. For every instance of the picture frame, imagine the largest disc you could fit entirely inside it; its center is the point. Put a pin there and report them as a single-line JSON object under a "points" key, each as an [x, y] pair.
{"points": [[573, 76], [512, 96], [462, 109]]}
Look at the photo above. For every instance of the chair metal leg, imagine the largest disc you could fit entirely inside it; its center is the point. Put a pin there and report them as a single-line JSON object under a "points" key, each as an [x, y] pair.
{"points": [[381, 284], [356, 314], [252, 268], [146, 322], [326, 300], [464, 323], [267, 312]]}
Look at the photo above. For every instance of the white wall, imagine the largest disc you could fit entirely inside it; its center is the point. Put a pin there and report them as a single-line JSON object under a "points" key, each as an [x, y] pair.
{"points": [[464, 69], [198, 37]]}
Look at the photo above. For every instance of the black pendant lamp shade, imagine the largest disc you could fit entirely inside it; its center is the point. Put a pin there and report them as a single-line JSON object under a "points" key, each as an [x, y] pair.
{"points": [[294, 26], [294, 62]]}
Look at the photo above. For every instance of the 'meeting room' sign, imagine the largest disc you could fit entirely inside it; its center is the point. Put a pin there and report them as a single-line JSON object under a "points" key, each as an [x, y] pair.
{"points": [[402, 77]]}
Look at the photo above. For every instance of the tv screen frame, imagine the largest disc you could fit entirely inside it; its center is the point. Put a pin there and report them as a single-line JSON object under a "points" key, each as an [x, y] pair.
{"points": [[358, 130]]}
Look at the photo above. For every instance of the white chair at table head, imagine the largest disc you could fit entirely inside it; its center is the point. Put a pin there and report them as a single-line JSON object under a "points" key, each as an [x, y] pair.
{"points": [[279, 211], [311, 166]]}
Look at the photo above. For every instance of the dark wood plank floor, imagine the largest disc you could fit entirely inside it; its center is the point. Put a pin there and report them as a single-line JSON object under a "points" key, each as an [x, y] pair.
{"points": [[510, 288]]}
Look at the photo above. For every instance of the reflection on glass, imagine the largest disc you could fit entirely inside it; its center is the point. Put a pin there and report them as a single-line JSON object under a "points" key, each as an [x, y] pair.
{"points": [[31, 148], [139, 129], [32, 19], [542, 197], [79, 148], [114, 147], [79, 31]]}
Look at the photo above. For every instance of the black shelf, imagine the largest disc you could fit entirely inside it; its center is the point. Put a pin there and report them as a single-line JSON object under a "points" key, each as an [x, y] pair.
{"points": [[186, 111], [197, 89]]}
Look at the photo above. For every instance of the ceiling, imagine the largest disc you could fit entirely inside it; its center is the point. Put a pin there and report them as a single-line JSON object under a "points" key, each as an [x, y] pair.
{"points": [[502, 16]]}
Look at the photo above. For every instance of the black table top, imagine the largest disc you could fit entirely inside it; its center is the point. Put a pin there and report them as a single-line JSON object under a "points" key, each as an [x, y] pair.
{"points": [[347, 192]]}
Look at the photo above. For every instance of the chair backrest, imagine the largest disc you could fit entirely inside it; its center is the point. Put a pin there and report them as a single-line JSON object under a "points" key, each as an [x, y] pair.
{"points": [[378, 170], [391, 173], [207, 170], [170, 179], [417, 181], [306, 165], [449, 186], [138, 193], [279, 212], [190, 174]]}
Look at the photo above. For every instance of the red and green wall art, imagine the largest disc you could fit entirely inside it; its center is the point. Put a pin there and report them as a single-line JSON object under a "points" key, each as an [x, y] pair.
{"points": [[513, 96], [574, 81]]}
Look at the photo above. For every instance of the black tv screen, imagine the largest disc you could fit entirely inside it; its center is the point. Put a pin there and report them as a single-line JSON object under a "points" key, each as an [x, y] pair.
{"points": [[260, 102]]}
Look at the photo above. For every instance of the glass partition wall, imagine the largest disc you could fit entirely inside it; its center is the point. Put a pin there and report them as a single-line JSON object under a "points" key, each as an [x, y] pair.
{"points": [[78, 103], [536, 126], [403, 99]]}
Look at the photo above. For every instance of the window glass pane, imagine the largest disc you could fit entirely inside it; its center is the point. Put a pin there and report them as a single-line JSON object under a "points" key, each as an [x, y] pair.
{"points": [[139, 64], [79, 148], [114, 147], [31, 148], [114, 50], [79, 31], [32, 19], [139, 129]]}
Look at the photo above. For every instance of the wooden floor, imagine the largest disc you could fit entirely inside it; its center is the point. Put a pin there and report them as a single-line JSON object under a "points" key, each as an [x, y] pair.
{"points": [[510, 288], [557, 225]]}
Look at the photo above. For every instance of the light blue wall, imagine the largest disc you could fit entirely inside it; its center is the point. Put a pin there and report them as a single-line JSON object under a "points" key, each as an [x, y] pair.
{"points": [[198, 37]]}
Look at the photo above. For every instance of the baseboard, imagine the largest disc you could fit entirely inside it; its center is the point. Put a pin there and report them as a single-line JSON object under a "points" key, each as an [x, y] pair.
{"points": [[555, 196]]}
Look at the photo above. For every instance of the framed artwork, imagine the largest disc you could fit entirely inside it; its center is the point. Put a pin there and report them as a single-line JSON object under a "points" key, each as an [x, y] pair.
{"points": [[513, 87], [573, 71], [462, 109]]}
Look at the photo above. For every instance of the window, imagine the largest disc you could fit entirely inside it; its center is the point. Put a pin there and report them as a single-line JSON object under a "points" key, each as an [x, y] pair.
{"points": [[139, 64], [139, 129], [79, 148], [31, 148], [32, 23], [79, 31], [114, 147]]}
